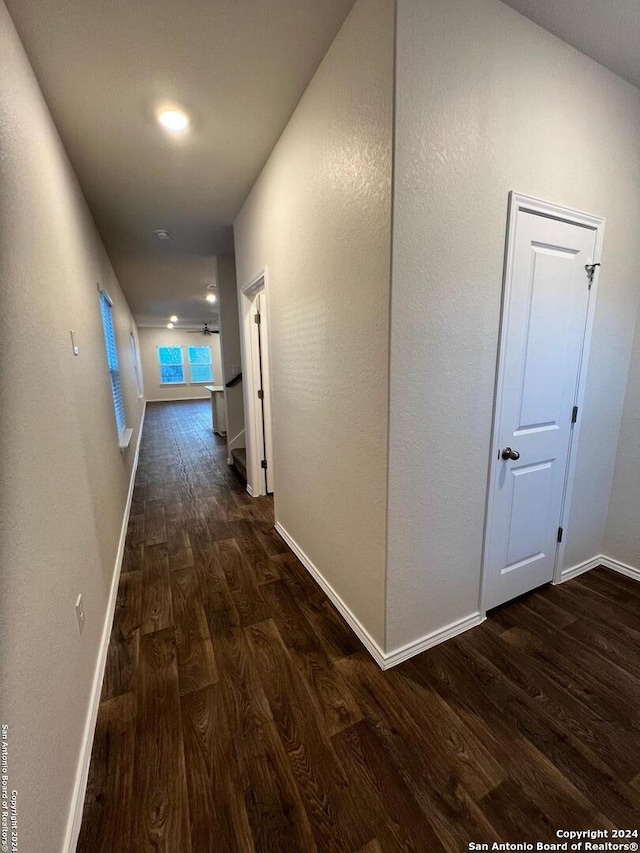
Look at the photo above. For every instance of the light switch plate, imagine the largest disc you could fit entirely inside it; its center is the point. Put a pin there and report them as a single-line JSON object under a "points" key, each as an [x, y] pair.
{"points": [[80, 613]]}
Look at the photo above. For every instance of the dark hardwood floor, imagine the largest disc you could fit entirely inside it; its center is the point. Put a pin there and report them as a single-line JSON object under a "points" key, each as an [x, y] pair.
{"points": [[239, 713]]}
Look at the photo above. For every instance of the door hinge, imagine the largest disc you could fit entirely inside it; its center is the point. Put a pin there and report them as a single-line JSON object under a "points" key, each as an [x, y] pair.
{"points": [[574, 416], [256, 319], [263, 464], [560, 534], [261, 394]]}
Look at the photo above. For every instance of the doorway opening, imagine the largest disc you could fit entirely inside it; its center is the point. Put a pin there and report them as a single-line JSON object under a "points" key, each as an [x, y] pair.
{"points": [[258, 389], [550, 283]]}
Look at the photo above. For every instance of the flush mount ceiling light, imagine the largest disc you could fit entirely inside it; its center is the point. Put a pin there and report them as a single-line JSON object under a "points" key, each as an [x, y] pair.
{"points": [[162, 234], [173, 319], [210, 297], [169, 325], [173, 119]]}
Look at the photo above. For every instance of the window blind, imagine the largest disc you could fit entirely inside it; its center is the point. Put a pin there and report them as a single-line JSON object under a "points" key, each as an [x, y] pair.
{"points": [[112, 360], [200, 368], [171, 366]]}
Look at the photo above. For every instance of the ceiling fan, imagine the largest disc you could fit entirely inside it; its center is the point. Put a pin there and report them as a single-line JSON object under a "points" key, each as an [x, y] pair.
{"points": [[205, 330]]}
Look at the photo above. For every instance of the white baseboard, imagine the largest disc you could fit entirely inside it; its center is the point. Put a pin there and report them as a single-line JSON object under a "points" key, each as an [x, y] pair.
{"points": [[600, 560], [433, 639], [580, 568], [82, 774], [347, 614], [622, 568], [385, 660], [176, 399], [239, 440]]}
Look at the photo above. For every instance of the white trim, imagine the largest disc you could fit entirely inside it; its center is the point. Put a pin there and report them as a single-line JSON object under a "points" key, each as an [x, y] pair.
{"points": [[347, 614], [240, 440], [137, 368], [249, 489], [257, 432], [237, 441], [125, 438], [106, 295], [253, 428], [160, 365], [623, 568], [385, 660], [601, 560], [175, 399], [519, 203], [74, 820], [579, 569], [433, 639]]}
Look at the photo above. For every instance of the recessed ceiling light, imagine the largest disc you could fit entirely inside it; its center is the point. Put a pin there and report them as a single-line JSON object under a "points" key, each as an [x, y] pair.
{"points": [[162, 234], [174, 120], [173, 318], [169, 325], [210, 297]]}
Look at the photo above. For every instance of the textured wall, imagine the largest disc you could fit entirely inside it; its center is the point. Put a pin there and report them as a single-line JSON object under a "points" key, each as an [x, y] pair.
{"points": [[319, 219], [230, 344], [622, 535], [488, 102], [150, 339], [63, 479]]}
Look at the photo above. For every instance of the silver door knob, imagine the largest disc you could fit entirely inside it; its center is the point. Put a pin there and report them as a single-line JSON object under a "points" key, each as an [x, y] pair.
{"points": [[508, 453]]}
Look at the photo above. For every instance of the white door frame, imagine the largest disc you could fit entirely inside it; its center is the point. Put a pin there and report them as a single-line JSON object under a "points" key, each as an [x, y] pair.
{"points": [[519, 204], [251, 360]]}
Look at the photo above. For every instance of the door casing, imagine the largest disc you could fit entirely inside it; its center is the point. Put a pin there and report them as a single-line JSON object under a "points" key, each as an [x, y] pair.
{"points": [[258, 285], [518, 204]]}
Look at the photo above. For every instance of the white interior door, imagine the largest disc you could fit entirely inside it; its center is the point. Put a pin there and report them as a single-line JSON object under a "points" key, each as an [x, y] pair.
{"points": [[257, 387], [545, 319]]}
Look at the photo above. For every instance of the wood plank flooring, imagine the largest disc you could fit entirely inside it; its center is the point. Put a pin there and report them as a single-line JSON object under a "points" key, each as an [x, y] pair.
{"points": [[239, 713]]}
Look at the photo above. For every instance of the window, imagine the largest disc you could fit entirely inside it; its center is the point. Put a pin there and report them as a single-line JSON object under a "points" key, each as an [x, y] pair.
{"points": [[136, 364], [171, 365], [200, 369], [112, 360]]}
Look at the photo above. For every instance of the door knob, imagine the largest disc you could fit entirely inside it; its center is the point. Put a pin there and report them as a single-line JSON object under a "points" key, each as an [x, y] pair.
{"points": [[508, 453]]}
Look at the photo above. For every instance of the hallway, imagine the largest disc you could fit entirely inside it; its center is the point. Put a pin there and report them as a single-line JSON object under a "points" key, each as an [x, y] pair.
{"points": [[239, 713]]}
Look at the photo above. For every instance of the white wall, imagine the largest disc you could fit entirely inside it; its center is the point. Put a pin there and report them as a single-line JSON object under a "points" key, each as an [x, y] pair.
{"points": [[230, 346], [622, 535], [64, 480], [488, 102], [151, 339], [319, 219]]}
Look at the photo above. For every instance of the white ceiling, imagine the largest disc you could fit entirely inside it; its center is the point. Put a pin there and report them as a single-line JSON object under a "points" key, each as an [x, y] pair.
{"points": [[606, 30], [239, 68]]}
